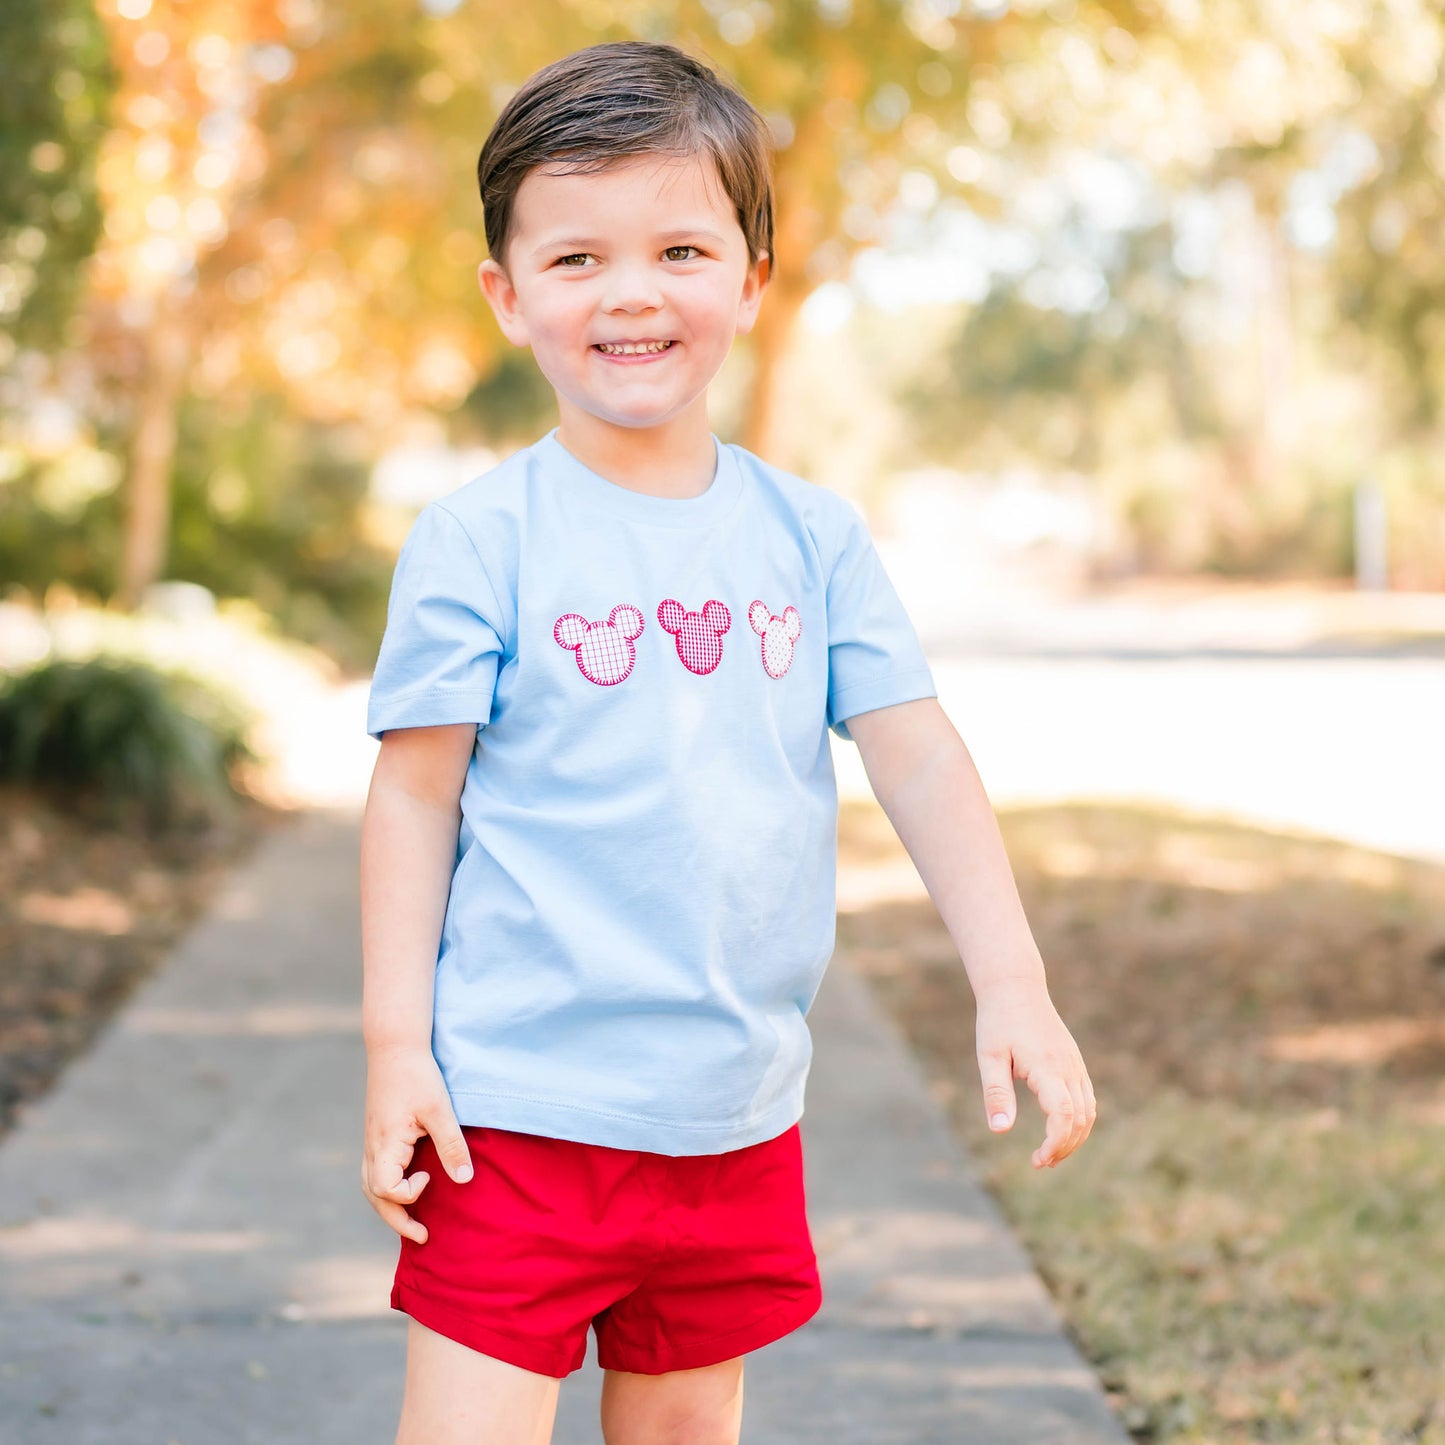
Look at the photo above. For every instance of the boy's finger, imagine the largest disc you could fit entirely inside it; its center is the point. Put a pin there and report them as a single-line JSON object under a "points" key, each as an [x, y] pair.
{"points": [[996, 1074], [451, 1147], [379, 1172], [1073, 1122], [1053, 1148], [384, 1164], [406, 1190], [400, 1220], [1084, 1107], [1057, 1101], [1084, 1119]]}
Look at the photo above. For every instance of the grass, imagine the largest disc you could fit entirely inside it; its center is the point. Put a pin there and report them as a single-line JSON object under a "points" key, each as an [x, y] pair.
{"points": [[1251, 1244]]}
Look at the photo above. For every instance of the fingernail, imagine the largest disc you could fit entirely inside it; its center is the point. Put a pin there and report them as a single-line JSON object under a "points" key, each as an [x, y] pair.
{"points": [[464, 1173], [999, 1121]]}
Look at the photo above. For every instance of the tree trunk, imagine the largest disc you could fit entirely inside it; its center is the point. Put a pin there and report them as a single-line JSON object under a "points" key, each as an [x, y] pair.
{"points": [[806, 214], [769, 343], [153, 448]]}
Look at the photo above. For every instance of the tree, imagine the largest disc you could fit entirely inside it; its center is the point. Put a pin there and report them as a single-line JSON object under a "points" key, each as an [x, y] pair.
{"points": [[289, 206], [857, 93], [178, 153], [55, 85]]}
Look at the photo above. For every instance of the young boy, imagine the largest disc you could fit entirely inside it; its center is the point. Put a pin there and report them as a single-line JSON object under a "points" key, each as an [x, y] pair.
{"points": [[599, 851]]}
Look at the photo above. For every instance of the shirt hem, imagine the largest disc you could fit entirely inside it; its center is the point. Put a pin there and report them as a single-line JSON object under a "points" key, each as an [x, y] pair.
{"points": [[424, 708], [556, 1120], [879, 692], [884, 686]]}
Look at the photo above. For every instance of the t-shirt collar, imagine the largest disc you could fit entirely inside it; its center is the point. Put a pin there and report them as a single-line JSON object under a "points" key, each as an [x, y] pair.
{"points": [[594, 489]]}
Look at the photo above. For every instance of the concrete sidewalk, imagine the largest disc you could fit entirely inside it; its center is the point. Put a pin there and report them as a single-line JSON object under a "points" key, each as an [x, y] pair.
{"points": [[186, 1257]]}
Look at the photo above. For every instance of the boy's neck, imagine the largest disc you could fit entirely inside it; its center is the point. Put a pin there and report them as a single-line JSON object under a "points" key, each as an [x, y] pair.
{"points": [[677, 459]]}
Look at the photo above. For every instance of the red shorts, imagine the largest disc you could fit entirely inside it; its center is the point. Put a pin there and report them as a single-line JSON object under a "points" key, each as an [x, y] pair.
{"points": [[675, 1261]]}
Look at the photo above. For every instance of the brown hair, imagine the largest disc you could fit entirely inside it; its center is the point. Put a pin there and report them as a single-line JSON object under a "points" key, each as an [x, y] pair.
{"points": [[621, 99]]}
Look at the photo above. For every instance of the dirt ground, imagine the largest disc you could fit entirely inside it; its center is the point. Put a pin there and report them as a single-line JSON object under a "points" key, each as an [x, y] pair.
{"points": [[1224, 962], [86, 913], [1251, 1244]]}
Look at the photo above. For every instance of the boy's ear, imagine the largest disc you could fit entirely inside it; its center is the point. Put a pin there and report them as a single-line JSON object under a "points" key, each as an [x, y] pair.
{"points": [[502, 298], [752, 297]]}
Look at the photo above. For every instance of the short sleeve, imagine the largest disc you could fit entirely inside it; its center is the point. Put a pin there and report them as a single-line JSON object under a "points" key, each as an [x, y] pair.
{"points": [[444, 632], [874, 656]]}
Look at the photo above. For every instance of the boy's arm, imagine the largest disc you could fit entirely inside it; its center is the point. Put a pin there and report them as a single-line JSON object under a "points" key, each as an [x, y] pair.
{"points": [[408, 847], [925, 779]]}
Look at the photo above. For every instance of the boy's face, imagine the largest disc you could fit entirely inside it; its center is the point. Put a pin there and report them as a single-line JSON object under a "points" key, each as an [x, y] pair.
{"points": [[648, 250]]}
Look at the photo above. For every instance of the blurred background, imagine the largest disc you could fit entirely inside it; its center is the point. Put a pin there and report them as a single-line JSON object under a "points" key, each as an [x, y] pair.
{"points": [[1121, 322]]}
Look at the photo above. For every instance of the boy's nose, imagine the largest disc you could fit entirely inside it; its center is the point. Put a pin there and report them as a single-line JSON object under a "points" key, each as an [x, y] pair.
{"points": [[632, 288]]}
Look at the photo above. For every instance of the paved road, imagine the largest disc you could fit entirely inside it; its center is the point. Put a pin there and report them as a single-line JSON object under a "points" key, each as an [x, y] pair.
{"points": [[1288, 706]]}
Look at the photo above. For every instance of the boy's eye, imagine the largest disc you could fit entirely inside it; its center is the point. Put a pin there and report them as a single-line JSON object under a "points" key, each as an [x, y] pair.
{"points": [[577, 261]]}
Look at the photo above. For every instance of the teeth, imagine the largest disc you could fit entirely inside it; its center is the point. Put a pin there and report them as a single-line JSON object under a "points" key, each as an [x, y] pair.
{"points": [[632, 348]]}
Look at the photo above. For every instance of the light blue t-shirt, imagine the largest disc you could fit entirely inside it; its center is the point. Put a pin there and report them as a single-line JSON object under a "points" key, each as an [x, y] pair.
{"points": [[644, 895]]}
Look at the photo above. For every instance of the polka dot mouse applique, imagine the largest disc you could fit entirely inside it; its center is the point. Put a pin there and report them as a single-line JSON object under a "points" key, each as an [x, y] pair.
{"points": [[699, 634], [778, 635], [605, 650]]}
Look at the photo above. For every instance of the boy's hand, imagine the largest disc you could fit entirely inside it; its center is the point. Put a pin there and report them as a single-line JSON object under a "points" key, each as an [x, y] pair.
{"points": [[1020, 1035], [406, 1097]]}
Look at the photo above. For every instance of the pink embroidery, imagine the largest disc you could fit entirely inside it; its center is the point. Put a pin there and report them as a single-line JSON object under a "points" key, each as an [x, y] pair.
{"points": [[778, 634], [699, 634], [605, 653]]}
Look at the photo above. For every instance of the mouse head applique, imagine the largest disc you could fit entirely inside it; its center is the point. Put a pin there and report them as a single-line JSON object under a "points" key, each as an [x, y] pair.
{"points": [[698, 634], [605, 652], [778, 635]]}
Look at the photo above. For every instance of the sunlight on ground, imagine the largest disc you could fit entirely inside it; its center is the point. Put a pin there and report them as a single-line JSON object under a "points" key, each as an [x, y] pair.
{"points": [[1196, 862], [86, 910], [323, 756], [863, 886], [1362, 1041], [343, 1287], [94, 1234], [1183, 859], [290, 1020]]}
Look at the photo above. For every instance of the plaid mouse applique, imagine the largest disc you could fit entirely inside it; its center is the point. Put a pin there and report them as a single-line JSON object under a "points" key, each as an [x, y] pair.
{"points": [[605, 650]]}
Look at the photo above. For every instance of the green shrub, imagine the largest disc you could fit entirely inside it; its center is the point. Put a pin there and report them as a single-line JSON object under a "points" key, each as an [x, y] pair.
{"points": [[114, 739], [264, 506]]}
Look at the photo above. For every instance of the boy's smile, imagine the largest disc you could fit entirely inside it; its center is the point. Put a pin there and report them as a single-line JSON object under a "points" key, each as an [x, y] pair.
{"points": [[629, 285]]}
